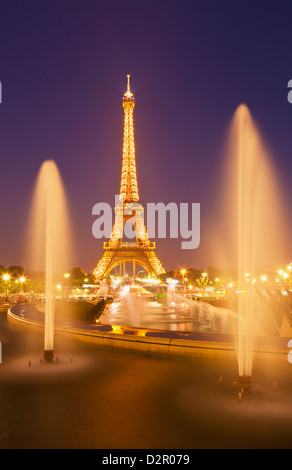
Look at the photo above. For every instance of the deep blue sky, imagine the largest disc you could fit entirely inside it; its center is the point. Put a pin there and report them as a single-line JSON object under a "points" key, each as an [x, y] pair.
{"points": [[63, 73]]}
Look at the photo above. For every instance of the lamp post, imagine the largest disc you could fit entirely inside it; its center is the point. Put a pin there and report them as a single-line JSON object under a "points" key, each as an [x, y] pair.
{"points": [[67, 275], [22, 279], [59, 288], [281, 272], [205, 278], [264, 278], [285, 276], [6, 278], [183, 271]]}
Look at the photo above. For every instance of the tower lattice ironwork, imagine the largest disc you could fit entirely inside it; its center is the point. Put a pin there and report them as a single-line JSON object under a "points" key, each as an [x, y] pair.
{"points": [[142, 251]]}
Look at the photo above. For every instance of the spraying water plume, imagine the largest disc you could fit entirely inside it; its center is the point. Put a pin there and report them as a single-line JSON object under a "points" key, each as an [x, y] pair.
{"points": [[50, 239], [261, 231]]}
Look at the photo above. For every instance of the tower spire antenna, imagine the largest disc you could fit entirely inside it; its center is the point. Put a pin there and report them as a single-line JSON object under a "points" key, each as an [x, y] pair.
{"points": [[128, 83]]}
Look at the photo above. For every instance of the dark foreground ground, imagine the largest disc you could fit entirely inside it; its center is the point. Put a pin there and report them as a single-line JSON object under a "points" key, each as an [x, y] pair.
{"points": [[116, 399]]}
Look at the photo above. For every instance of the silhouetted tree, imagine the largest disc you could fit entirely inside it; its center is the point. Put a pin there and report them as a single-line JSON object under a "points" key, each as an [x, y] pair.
{"points": [[77, 273]]}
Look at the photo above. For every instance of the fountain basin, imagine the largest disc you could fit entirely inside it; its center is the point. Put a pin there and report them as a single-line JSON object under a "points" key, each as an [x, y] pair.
{"points": [[48, 355], [244, 381]]}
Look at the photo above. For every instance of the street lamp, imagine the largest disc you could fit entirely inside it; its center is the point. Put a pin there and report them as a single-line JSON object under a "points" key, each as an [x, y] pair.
{"points": [[263, 278], [67, 275], [183, 271], [217, 280], [22, 279], [6, 278]]}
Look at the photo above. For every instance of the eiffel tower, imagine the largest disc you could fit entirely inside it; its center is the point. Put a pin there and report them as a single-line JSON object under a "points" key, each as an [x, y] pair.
{"points": [[142, 251]]}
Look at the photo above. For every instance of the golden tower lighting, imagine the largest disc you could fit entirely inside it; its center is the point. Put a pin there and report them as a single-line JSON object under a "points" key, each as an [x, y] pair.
{"points": [[116, 252]]}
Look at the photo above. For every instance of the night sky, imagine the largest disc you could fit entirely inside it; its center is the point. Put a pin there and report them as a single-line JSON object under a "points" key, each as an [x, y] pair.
{"points": [[63, 73]]}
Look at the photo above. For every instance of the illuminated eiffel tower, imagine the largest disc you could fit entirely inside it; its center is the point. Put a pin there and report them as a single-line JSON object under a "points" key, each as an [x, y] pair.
{"points": [[142, 251]]}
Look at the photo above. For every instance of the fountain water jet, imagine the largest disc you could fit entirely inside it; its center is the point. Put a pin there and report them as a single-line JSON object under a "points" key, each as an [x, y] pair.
{"points": [[260, 226], [245, 247], [50, 239]]}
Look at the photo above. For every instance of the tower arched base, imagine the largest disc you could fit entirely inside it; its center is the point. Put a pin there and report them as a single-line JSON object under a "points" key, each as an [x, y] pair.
{"points": [[145, 256]]}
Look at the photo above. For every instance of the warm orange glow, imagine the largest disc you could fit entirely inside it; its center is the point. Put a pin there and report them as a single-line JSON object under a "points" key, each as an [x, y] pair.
{"points": [[141, 332], [117, 329], [129, 185], [115, 251]]}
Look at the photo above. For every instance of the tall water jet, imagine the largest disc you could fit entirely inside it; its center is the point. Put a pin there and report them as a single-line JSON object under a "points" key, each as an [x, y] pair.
{"points": [[260, 228], [246, 160], [50, 239], [256, 225]]}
